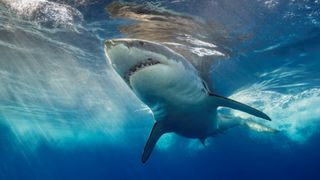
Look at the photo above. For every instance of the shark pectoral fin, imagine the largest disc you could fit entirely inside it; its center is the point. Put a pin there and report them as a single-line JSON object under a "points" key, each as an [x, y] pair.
{"points": [[259, 127], [154, 136], [226, 102]]}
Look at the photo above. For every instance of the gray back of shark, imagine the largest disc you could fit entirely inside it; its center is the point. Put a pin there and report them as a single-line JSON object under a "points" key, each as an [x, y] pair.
{"points": [[172, 88]]}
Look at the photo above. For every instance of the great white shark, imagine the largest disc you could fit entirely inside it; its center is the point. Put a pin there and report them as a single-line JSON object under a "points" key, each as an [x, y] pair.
{"points": [[171, 87]]}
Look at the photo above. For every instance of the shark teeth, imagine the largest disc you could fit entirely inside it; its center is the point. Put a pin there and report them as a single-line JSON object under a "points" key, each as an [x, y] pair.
{"points": [[137, 67]]}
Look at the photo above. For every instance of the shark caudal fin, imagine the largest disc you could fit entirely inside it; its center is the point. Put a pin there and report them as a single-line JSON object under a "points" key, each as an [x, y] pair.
{"points": [[226, 102], [154, 136], [252, 125]]}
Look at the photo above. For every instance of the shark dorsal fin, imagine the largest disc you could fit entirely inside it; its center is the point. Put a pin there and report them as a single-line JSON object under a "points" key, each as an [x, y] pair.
{"points": [[154, 136], [226, 102]]}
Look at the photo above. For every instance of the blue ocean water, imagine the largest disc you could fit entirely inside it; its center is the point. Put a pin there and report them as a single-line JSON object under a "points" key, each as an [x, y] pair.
{"points": [[64, 114]]}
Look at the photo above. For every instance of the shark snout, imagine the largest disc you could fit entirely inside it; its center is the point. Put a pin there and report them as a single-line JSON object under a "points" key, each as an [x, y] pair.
{"points": [[109, 44], [125, 57]]}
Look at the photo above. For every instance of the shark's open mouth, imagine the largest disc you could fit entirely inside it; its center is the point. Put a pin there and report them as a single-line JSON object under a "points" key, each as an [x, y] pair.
{"points": [[140, 66]]}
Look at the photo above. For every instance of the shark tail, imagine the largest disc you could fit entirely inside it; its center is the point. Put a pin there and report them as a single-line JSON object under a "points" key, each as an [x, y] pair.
{"points": [[258, 127], [226, 122]]}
